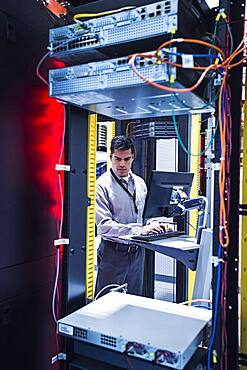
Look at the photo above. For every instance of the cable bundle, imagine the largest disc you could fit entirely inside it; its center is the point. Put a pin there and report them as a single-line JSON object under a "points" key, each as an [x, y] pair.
{"points": [[218, 67]]}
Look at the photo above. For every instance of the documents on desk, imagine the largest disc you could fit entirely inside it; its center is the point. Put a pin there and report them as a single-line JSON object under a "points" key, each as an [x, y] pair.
{"points": [[141, 327]]}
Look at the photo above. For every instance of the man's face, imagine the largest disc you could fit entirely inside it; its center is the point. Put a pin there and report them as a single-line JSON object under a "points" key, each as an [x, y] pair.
{"points": [[121, 162]]}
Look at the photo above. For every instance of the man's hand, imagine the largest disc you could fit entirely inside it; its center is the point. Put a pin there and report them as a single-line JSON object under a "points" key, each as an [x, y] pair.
{"points": [[155, 228]]}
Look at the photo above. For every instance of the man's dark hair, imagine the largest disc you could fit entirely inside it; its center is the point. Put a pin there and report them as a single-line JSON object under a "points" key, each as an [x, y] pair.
{"points": [[122, 143]]}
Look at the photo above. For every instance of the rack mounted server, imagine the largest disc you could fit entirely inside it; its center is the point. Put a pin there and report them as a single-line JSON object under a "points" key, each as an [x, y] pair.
{"points": [[139, 327], [111, 88], [140, 29]]}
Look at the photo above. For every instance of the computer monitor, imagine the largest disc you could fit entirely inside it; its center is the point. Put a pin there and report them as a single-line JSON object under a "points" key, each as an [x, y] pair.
{"points": [[159, 201]]}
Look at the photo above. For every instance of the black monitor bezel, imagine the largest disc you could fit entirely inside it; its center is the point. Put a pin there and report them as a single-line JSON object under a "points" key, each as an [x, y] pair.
{"points": [[169, 179]]}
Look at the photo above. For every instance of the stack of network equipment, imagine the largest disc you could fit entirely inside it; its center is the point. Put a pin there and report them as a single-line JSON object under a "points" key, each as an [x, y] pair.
{"points": [[154, 129], [140, 29], [110, 87], [101, 136]]}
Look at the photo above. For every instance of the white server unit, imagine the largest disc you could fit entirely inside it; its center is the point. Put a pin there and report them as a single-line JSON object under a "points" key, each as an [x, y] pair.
{"points": [[140, 327]]}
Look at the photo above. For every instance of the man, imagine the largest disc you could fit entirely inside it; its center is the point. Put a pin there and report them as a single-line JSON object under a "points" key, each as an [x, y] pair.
{"points": [[120, 198]]}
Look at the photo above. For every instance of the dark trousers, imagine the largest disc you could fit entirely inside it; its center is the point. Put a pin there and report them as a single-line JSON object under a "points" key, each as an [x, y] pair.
{"points": [[119, 264]]}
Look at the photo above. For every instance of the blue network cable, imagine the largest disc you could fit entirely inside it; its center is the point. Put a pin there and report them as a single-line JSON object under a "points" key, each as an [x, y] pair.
{"points": [[222, 112], [186, 150], [194, 55], [215, 308]]}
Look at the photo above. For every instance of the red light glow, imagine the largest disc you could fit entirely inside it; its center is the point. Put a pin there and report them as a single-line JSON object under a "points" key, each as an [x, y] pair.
{"points": [[44, 123]]}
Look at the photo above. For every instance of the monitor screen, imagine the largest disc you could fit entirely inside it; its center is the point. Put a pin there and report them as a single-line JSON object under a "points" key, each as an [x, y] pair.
{"points": [[160, 201]]}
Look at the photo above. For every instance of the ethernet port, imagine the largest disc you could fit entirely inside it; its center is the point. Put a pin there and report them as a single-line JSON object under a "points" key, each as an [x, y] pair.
{"points": [[151, 15]]}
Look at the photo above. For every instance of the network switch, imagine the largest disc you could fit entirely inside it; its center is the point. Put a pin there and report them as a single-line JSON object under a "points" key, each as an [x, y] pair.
{"points": [[140, 29], [162, 129], [112, 88]]}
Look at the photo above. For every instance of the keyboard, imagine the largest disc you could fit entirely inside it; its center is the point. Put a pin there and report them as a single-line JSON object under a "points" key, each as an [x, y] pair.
{"points": [[152, 237]]}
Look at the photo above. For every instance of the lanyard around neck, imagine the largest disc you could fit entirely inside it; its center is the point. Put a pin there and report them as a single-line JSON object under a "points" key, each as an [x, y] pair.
{"points": [[133, 196]]}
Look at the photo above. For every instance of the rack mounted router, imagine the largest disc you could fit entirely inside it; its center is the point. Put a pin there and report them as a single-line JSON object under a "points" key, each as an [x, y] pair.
{"points": [[112, 89], [140, 29]]}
